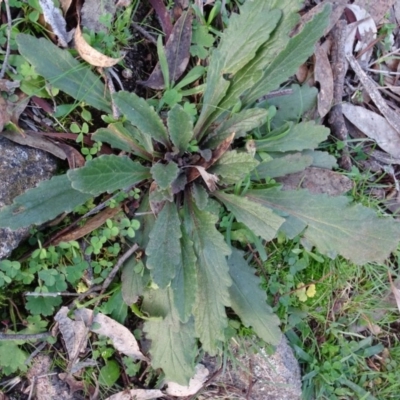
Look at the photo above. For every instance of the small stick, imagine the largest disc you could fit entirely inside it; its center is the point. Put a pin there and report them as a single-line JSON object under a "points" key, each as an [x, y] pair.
{"points": [[27, 336], [144, 33]]}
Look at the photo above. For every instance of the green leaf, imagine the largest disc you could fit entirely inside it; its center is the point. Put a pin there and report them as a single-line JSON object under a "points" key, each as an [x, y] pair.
{"points": [[233, 166], [249, 301], [116, 307], [184, 284], [239, 43], [291, 107], [321, 159], [286, 63], [164, 175], [212, 276], [332, 225], [12, 358], [173, 344], [109, 374], [142, 115], [262, 221], [180, 127], [119, 137], [164, 248], [302, 136], [248, 76], [281, 166], [239, 124], [42, 305], [107, 173], [63, 71], [42, 203], [200, 195], [133, 281]]}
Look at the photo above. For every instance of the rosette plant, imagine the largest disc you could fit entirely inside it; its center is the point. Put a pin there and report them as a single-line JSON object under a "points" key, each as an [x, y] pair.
{"points": [[195, 173]]}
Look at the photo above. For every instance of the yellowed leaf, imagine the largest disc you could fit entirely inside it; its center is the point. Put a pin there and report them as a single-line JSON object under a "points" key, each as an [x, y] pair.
{"points": [[91, 55], [311, 291]]}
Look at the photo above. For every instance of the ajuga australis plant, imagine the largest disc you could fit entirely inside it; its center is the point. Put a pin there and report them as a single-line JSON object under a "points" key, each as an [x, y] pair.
{"points": [[194, 174]]}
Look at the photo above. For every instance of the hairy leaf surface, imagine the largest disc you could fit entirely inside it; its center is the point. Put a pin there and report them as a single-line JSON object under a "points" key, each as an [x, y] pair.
{"points": [[184, 284], [106, 174], [42, 203], [133, 282], [173, 344], [302, 136], [164, 175], [286, 63], [180, 127], [281, 166], [245, 34], [233, 166], [164, 248], [262, 221], [121, 138], [249, 301], [63, 71], [212, 276], [332, 225], [142, 115]]}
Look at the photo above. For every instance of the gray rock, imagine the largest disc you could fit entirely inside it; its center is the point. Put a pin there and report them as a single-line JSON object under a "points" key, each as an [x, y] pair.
{"points": [[256, 376], [21, 168]]}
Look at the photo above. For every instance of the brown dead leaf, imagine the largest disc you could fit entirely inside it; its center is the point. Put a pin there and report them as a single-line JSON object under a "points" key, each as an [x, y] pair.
{"points": [[395, 290], [74, 157], [93, 223], [194, 173], [317, 180], [5, 114], [375, 127], [209, 179], [163, 16], [8, 86], [137, 394], [323, 75], [65, 4], [121, 337], [377, 8], [91, 55], [36, 142], [302, 73], [177, 52], [74, 385]]}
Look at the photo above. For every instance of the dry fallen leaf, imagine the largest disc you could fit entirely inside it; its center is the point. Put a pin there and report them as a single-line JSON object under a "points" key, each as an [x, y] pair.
{"points": [[317, 180], [74, 333], [122, 338], [210, 179], [91, 55], [195, 383], [93, 10], [375, 127], [395, 290], [137, 394], [323, 75], [65, 4], [377, 8], [5, 114]]}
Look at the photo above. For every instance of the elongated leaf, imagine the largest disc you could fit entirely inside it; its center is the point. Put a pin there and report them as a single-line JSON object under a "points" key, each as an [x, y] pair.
{"points": [[142, 115], [332, 225], [173, 345], [180, 127], [262, 221], [321, 159], [212, 276], [164, 175], [233, 166], [42, 203], [164, 248], [245, 34], [302, 136], [133, 282], [281, 166], [61, 69], [106, 174], [121, 138], [249, 301], [184, 284], [239, 124], [248, 76], [299, 48]]}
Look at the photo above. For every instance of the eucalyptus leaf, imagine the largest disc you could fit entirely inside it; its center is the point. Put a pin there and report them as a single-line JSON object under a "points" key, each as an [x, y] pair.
{"points": [[107, 173]]}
